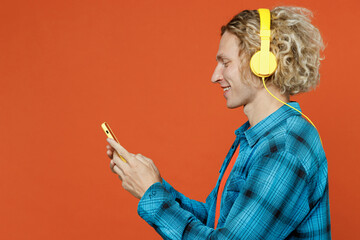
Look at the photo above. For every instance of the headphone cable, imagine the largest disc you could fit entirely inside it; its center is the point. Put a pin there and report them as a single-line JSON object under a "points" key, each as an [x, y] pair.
{"points": [[263, 79]]}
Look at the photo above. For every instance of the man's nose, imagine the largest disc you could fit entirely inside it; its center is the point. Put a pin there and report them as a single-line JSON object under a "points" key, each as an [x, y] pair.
{"points": [[217, 75]]}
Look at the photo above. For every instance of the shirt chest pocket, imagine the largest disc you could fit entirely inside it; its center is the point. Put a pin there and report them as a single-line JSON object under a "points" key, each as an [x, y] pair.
{"points": [[231, 192], [236, 182], [238, 175]]}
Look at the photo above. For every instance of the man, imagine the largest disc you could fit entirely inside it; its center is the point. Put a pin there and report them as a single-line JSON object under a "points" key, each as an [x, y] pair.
{"points": [[276, 187]]}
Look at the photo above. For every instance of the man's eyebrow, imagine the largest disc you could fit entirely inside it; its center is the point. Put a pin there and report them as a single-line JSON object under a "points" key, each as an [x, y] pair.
{"points": [[220, 57]]}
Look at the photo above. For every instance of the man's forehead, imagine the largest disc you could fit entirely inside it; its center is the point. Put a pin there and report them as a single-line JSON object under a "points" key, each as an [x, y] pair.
{"points": [[228, 47]]}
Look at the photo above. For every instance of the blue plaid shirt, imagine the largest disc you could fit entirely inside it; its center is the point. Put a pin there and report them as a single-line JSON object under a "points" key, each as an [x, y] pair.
{"points": [[277, 189]]}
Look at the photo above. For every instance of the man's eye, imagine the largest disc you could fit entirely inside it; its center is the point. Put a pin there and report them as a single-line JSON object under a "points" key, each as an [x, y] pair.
{"points": [[226, 64]]}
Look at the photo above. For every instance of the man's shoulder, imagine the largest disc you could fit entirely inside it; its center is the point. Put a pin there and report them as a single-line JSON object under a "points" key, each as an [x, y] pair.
{"points": [[297, 137]]}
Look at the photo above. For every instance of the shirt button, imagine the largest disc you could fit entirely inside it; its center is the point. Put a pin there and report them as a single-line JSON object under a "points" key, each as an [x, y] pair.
{"points": [[152, 194]]}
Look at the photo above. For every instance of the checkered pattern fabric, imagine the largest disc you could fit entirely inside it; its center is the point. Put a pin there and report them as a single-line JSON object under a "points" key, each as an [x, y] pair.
{"points": [[277, 189]]}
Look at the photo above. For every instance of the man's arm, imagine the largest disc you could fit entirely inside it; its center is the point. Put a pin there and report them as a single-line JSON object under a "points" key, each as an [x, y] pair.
{"points": [[273, 201], [199, 209]]}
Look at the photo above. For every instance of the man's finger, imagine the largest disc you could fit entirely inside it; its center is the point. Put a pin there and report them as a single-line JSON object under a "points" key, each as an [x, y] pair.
{"points": [[141, 159], [110, 154], [146, 158], [110, 147], [120, 150], [119, 172], [120, 163], [112, 165]]}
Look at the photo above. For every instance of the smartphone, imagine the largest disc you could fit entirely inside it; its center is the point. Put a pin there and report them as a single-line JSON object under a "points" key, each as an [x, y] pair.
{"points": [[111, 135]]}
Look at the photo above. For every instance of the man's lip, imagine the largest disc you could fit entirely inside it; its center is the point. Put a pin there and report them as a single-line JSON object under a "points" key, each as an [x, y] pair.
{"points": [[225, 86]]}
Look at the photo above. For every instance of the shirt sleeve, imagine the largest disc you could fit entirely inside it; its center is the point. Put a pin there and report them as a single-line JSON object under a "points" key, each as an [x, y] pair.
{"points": [[272, 202], [199, 209]]}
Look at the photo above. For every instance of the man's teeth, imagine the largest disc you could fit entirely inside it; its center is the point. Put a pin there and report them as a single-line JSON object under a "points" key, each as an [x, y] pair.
{"points": [[225, 89]]}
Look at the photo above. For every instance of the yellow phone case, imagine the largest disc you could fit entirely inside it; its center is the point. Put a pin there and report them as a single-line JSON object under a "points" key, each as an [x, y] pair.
{"points": [[111, 135]]}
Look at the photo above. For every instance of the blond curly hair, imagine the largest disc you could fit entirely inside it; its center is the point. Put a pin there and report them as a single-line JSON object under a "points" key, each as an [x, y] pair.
{"points": [[295, 42]]}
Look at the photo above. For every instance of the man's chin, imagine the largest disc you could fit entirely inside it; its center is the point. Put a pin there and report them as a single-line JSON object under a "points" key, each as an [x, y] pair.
{"points": [[232, 106]]}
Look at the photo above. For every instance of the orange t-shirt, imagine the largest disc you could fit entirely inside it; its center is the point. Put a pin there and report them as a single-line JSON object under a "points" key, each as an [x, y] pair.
{"points": [[222, 184]]}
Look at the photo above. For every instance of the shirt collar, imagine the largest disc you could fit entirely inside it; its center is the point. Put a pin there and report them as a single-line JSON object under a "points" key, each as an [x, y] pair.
{"points": [[264, 126]]}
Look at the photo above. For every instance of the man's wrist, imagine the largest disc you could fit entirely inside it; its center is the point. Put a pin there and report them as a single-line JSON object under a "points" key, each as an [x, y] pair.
{"points": [[145, 190]]}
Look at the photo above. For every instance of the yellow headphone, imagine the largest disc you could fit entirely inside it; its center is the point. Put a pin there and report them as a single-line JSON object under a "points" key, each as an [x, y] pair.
{"points": [[263, 63]]}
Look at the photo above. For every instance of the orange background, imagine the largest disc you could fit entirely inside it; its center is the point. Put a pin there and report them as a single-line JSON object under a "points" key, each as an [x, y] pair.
{"points": [[145, 68]]}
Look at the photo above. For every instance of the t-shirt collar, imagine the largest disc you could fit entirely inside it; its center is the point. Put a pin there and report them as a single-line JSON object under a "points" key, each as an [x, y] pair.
{"points": [[264, 126]]}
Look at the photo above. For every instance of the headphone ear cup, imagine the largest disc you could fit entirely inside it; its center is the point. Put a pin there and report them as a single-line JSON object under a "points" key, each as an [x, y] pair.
{"points": [[255, 65]]}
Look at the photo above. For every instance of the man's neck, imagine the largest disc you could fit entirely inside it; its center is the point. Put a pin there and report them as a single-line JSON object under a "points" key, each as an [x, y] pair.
{"points": [[263, 105]]}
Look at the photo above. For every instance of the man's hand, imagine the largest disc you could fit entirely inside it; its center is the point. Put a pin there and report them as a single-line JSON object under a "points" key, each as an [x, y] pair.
{"points": [[137, 174]]}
